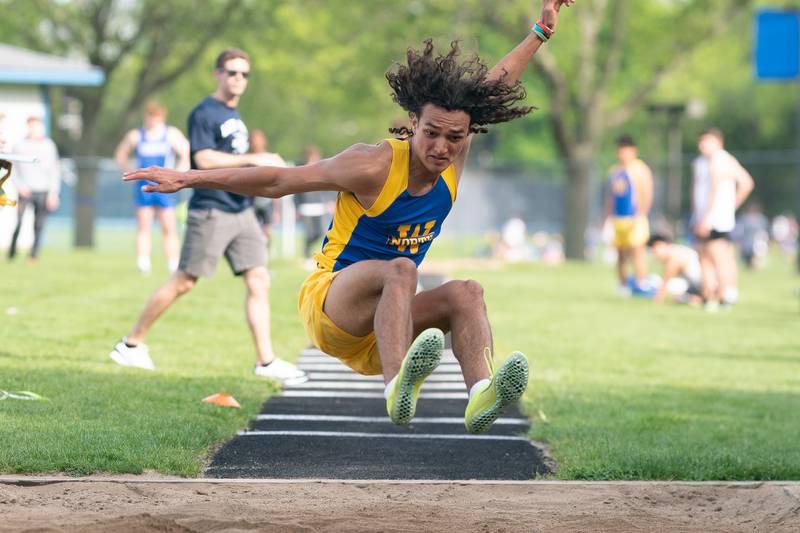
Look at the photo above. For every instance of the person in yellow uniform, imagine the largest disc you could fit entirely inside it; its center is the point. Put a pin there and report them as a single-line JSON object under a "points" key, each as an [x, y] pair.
{"points": [[361, 305], [628, 202]]}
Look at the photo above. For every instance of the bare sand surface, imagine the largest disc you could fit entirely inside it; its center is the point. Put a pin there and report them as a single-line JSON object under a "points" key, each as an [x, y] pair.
{"points": [[161, 504]]}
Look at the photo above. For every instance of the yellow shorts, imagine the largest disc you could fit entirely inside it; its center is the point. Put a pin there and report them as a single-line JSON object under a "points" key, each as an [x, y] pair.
{"points": [[631, 232], [359, 353]]}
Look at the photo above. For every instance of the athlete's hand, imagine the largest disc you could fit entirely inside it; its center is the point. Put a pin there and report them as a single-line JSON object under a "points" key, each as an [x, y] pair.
{"points": [[703, 229], [166, 180], [550, 9], [52, 202]]}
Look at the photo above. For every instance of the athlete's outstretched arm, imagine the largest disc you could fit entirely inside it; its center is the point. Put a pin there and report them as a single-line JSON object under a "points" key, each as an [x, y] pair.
{"points": [[360, 169], [514, 63]]}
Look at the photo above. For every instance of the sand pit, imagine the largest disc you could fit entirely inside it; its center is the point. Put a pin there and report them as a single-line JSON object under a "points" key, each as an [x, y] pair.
{"points": [[132, 504]]}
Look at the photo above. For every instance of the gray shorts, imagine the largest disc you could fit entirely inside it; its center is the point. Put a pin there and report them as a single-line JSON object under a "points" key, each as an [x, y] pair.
{"points": [[211, 233]]}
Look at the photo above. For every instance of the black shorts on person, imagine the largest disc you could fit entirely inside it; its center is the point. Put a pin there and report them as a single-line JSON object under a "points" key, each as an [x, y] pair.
{"points": [[714, 235]]}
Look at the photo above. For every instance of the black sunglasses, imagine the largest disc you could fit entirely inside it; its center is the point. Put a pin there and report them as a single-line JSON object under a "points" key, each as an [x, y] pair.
{"points": [[232, 73]]}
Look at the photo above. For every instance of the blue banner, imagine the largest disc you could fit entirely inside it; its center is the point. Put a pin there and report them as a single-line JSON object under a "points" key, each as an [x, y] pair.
{"points": [[777, 45]]}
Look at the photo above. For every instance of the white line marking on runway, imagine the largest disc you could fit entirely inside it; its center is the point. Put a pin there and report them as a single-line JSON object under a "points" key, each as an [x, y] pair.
{"points": [[351, 376], [377, 435], [356, 385], [385, 419], [344, 394]]}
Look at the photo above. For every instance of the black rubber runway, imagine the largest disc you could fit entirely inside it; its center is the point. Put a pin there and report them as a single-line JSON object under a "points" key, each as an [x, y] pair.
{"points": [[335, 427]]}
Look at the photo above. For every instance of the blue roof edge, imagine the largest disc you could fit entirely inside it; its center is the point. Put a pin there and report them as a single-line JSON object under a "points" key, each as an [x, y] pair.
{"points": [[90, 78]]}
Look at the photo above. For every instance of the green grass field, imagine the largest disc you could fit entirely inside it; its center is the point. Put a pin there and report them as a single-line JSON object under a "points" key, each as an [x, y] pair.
{"points": [[631, 390]]}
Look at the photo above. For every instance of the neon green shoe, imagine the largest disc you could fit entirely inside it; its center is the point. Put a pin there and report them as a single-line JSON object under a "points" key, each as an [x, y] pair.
{"points": [[422, 358], [506, 386]]}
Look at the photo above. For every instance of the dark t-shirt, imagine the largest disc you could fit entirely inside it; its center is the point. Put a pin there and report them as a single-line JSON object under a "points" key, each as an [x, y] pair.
{"points": [[214, 125]]}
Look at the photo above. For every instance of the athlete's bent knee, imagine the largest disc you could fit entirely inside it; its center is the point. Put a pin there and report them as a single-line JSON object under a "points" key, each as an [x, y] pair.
{"points": [[184, 284], [466, 294], [257, 281], [402, 270]]}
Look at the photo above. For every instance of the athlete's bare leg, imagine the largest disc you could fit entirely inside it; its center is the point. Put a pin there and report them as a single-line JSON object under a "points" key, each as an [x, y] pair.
{"points": [[708, 269], [180, 283], [376, 295], [722, 256], [257, 309], [169, 228], [144, 222], [621, 265], [458, 307], [379, 296], [639, 263]]}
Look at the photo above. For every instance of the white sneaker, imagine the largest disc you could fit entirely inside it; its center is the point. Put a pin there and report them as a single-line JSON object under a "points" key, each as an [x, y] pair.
{"points": [[286, 372], [138, 356]]}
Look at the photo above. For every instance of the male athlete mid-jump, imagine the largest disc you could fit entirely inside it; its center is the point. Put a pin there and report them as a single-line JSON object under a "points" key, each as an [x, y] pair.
{"points": [[360, 304]]}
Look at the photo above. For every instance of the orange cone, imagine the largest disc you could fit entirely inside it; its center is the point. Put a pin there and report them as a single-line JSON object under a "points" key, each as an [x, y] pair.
{"points": [[222, 399]]}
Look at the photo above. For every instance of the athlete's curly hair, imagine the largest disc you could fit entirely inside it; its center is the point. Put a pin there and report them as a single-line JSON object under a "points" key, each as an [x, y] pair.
{"points": [[446, 82]]}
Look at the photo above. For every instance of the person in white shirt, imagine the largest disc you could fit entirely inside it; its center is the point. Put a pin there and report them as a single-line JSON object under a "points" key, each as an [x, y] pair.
{"points": [[39, 184], [682, 277], [721, 185]]}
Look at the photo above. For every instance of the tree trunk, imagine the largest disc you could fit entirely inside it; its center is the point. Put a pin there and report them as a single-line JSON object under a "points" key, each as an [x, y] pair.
{"points": [[86, 189], [577, 206]]}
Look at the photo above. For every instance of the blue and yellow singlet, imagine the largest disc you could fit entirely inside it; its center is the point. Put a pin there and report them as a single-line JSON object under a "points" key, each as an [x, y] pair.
{"points": [[396, 225]]}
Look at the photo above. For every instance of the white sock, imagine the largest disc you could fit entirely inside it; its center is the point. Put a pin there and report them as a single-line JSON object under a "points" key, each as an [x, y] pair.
{"points": [[478, 386], [143, 263], [730, 295], [173, 265], [389, 387]]}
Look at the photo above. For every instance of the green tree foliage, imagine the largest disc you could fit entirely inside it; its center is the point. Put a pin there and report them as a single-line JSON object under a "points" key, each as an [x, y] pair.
{"points": [[318, 70]]}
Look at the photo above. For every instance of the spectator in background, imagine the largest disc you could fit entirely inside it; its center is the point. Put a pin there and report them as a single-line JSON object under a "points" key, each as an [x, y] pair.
{"points": [[38, 184], [628, 202], [156, 144], [312, 208], [720, 186], [682, 277], [784, 232], [219, 224], [512, 246], [266, 208], [753, 236]]}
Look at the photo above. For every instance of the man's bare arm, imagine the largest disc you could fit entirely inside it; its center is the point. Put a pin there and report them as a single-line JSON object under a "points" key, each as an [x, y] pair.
{"points": [[208, 158], [123, 151], [180, 145], [361, 169], [645, 198], [515, 62], [744, 185]]}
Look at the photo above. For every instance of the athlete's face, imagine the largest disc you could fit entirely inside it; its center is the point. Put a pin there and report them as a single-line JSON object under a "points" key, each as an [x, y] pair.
{"points": [[153, 120], [708, 144], [626, 154], [35, 129], [232, 78], [661, 250], [439, 136]]}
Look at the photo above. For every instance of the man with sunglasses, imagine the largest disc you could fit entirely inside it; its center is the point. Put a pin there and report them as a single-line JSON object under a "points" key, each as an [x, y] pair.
{"points": [[219, 223]]}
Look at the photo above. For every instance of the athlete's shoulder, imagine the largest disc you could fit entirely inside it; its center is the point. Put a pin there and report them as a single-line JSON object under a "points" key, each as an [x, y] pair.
{"points": [[369, 159], [360, 168]]}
